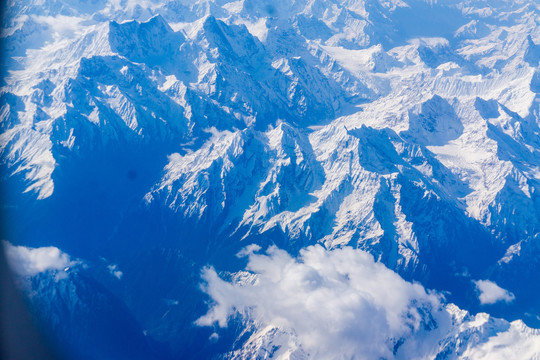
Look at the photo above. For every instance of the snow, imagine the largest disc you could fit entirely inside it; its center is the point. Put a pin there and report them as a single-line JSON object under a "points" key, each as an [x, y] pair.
{"points": [[518, 342], [406, 129]]}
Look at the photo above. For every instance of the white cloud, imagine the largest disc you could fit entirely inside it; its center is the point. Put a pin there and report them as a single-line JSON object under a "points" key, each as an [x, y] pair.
{"points": [[27, 261], [338, 303], [490, 293], [113, 269]]}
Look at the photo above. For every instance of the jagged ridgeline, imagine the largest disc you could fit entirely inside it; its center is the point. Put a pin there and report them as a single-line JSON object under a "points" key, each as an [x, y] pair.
{"points": [[144, 145]]}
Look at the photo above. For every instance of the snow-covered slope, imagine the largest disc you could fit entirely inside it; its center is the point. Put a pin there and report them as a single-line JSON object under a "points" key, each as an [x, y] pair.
{"points": [[407, 129]]}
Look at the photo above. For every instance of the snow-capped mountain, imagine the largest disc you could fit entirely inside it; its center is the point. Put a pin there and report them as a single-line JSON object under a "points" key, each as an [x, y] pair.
{"points": [[169, 135]]}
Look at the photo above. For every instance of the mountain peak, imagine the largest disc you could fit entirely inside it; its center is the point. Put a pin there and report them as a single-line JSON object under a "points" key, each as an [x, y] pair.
{"points": [[153, 41]]}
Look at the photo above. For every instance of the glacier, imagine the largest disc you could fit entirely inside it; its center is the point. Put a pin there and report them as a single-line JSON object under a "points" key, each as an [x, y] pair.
{"points": [[155, 141]]}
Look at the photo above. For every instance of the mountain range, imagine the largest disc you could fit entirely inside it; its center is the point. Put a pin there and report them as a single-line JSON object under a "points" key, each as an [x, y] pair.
{"points": [[255, 179]]}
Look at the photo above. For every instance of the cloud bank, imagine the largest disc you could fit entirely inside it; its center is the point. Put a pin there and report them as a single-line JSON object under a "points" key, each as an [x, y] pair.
{"points": [[490, 293], [338, 302], [25, 261]]}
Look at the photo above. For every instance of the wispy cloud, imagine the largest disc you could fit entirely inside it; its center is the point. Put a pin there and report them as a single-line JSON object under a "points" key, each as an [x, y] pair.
{"points": [[115, 271]]}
